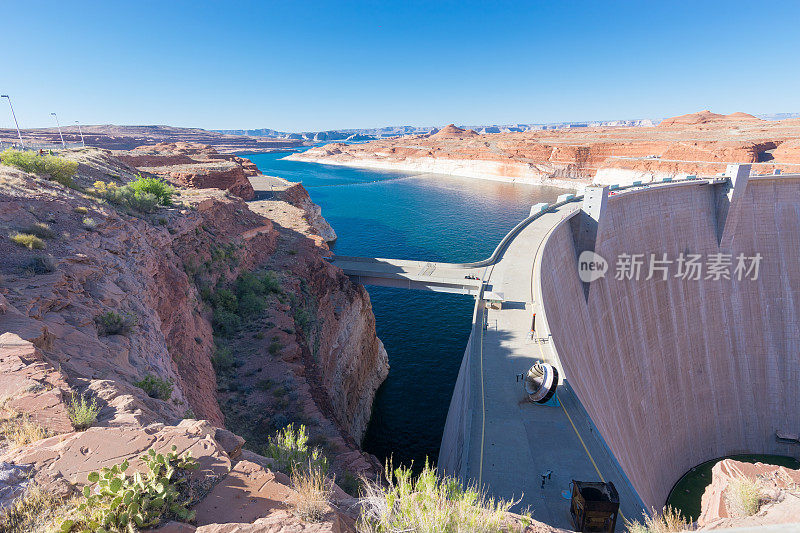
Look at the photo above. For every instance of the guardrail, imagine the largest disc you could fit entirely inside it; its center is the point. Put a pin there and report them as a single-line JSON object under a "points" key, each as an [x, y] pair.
{"points": [[41, 146], [569, 198]]}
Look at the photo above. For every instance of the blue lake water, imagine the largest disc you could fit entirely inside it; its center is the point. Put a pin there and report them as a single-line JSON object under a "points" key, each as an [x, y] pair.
{"points": [[413, 216]]}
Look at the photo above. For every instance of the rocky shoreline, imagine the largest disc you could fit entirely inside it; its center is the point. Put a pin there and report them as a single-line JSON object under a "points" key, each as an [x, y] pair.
{"points": [[465, 168], [696, 144]]}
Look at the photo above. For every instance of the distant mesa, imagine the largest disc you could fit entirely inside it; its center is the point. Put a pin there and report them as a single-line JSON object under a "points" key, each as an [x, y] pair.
{"points": [[704, 117], [360, 137], [451, 130]]}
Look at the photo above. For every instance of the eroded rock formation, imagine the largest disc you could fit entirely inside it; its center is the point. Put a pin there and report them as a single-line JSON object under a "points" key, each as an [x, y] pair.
{"points": [[779, 498], [195, 166], [699, 143], [156, 275]]}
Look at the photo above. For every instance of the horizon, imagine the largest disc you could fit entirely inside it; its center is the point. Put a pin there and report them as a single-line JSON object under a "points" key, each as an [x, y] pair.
{"points": [[316, 66], [460, 125]]}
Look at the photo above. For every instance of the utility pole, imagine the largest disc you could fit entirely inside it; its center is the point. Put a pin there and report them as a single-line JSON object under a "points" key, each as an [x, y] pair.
{"points": [[81, 132], [59, 131], [19, 133]]}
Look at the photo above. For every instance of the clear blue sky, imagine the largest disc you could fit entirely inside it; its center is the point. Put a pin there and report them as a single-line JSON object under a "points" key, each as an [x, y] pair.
{"points": [[294, 65]]}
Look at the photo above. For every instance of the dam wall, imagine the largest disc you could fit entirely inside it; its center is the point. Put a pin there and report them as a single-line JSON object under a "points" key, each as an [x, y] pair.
{"points": [[454, 451], [675, 372]]}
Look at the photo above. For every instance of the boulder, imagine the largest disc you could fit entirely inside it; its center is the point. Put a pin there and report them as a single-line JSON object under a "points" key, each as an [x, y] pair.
{"points": [[780, 502]]}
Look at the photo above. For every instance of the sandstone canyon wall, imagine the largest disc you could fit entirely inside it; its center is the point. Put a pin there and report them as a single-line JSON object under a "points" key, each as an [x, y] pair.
{"points": [[700, 143], [154, 269]]}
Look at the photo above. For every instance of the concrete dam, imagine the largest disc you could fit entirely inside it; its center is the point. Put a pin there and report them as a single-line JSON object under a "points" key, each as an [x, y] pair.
{"points": [[675, 372], [662, 369]]}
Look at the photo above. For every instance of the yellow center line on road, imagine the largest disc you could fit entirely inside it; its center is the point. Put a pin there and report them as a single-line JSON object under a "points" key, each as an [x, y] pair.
{"points": [[577, 433], [483, 406], [541, 351]]}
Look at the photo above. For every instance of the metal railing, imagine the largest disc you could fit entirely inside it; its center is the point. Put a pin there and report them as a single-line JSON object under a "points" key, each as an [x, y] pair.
{"points": [[41, 146]]}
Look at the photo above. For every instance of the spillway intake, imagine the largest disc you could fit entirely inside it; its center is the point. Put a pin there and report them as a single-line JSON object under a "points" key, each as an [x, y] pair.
{"points": [[541, 382]]}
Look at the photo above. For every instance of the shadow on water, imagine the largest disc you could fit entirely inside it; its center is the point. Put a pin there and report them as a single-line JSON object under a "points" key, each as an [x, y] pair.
{"points": [[413, 216]]}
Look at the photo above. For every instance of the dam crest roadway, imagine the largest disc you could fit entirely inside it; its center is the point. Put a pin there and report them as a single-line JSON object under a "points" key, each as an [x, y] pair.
{"points": [[493, 435]]}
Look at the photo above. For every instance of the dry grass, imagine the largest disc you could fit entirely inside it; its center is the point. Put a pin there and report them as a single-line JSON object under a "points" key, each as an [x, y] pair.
{"points": [[41, 230], [313, 493], [431, 503], [743, 497], [668, 521], [20, 430], [36, 511], [29, 241]]}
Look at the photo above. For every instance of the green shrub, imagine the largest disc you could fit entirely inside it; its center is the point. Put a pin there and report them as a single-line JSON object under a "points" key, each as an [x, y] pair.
{"points": [[246, 298], [350, 484], [302, 318], [41, 264], [140, 195], [275, 347], [156, 387], [144, 202], [222, 358], [58, 168], [122, 503], [261, 283], [153, 186], [251, 304], [41, 230], [289, 448], [29, 241], [226, 300], [81, 210], [226, 323], [82, 413], [111, 323], [431, 503]]}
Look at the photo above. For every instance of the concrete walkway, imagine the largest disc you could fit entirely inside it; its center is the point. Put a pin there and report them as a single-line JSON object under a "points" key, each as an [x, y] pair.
{"points": [[513, 441]]}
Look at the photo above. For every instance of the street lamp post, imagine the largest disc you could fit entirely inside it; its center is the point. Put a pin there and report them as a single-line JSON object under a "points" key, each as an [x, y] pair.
{"points": [[19, 133], [59, 131], [81, 132]]}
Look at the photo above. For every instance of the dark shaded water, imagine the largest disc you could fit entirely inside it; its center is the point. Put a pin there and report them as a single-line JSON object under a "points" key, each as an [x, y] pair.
{"points": [[413, 216]]}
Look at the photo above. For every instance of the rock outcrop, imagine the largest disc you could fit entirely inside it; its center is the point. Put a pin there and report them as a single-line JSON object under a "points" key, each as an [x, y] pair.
{"points": [[194, 166], [231, 495], [298, 196], [150, 270], [451, 130], [779, 500], [704, 117]]}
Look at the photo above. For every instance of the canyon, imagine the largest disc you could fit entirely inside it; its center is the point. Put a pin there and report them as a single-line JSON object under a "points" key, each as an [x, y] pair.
{"points": [[700, 143], [309, 355]]}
